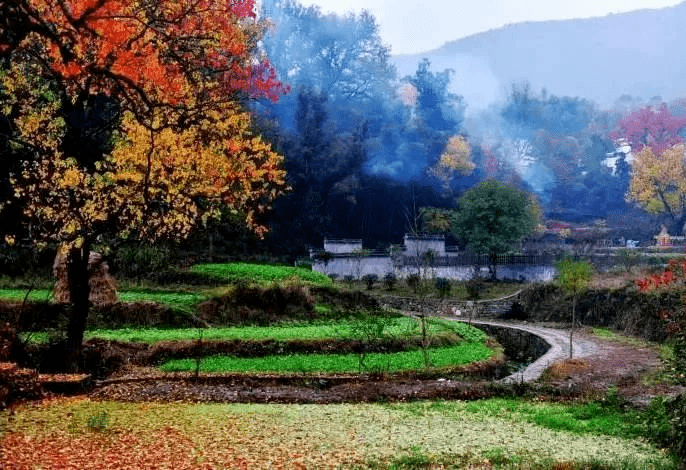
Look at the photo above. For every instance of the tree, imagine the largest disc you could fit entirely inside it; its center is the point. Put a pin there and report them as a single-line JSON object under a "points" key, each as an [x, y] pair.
{"points": [[573, 277], [653, 127], [180, 144], [658, 183], [491, 217], [456, 158]]}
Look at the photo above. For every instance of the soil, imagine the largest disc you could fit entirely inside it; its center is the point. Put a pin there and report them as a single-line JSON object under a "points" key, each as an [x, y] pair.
{"points": [[604, 363]]}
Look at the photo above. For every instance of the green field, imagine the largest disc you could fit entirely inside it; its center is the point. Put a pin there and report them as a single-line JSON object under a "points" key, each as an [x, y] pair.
{"points": [[439, 357], [259, 273], [372, 328]]}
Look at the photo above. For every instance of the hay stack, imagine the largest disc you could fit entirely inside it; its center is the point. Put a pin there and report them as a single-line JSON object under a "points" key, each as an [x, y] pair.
{"points": [[103, 288]]}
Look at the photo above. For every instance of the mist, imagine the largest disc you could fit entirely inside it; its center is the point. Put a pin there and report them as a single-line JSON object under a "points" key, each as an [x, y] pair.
{"points": [[364, 144]]}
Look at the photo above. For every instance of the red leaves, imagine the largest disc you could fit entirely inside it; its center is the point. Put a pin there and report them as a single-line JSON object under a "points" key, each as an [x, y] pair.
{"points": [[653, 127], [658, 280], [158, 52]]}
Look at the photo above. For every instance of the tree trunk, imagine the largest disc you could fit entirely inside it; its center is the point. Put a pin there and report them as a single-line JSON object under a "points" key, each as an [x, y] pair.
{"points": [[79, 291], [571, 332]]}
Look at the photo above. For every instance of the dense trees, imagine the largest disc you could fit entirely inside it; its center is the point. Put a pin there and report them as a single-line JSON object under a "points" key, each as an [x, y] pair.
{"points": [[157, 85]]}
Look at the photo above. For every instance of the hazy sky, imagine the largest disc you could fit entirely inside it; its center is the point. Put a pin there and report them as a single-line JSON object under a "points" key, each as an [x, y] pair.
{"points": [[411, 26]]}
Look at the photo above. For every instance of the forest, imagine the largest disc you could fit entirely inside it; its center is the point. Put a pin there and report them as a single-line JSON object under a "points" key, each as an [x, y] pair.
{"points": [[365, 150]]}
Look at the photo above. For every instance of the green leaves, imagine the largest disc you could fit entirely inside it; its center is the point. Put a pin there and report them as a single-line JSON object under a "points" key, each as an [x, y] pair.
{"points": [[492, 217]]}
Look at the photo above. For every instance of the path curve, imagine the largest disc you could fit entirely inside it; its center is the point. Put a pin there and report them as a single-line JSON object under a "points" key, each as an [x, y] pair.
{"points": [[559, 348]]}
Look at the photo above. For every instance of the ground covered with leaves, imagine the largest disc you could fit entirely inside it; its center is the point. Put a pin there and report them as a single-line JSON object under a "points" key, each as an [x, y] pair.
{"points": [[88, 434]]}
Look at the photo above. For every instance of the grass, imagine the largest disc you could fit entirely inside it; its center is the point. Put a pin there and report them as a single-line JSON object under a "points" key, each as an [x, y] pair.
{"points": [[371, 328], [179, 300], [364, 436], [259, 273], [440, 357]]}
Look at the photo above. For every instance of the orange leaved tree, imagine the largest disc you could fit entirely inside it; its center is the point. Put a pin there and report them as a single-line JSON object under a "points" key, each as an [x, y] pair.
{"points": [[177, 143]]}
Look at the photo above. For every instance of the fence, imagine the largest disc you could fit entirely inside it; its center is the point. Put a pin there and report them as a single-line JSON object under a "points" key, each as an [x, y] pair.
{"points": [[470, 259]]}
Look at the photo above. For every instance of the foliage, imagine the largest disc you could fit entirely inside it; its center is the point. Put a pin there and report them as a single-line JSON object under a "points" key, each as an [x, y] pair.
{"points": [[370, 279], [139, 260], [653, 128], [98, 422], [178, 144], [574, 276], [492, 217], [443, 286], [389, 281], [657, 182], [455, 159]]}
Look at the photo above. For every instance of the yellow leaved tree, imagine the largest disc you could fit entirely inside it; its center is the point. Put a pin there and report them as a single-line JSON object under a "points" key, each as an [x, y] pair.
{"points": [[455, 159], [658, 182], [159, 82]]}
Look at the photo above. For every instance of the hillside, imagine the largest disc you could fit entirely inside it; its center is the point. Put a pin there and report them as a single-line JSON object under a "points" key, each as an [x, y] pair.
{"points": [[600, 59]]}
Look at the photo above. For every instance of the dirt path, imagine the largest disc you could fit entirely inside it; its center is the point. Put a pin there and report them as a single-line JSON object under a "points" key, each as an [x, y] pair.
{"points": [[622, 363], [582, 346]]}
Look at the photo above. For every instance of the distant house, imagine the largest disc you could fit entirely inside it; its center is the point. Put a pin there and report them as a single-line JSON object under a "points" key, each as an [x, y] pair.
{"points": [[426, 255]]}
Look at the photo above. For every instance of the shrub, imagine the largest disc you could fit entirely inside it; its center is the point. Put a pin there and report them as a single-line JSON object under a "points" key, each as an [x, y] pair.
{"points": [[389, 281], [474, 288], [413, 281], [676, 409], [246, 304], [98, 422], [370, 279], [348, 278], [139, 261], [443, 286]]}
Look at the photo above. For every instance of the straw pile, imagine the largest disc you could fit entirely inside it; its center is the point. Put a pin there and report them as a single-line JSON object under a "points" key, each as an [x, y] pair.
{"points": [[103, 288]]}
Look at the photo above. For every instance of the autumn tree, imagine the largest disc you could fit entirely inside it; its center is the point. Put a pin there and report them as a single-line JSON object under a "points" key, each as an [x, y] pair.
{"points": [[657, 182], [455, 160], [653, 127], [179, 146]]}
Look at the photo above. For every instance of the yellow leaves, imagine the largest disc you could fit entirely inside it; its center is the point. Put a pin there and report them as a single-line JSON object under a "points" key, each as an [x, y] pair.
{"points": [[658, 182], [456, 158], [165, 175], [33, 105]]}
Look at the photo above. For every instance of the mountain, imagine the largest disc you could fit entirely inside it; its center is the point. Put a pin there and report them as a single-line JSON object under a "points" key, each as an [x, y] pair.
{"points": [[640, 53]]}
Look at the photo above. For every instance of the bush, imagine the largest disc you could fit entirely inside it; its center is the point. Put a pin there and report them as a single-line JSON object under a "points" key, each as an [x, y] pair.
{"points": [[676, 409], [443, 286], [370, 279], [246, 304], [413, 281], [474, 288], [139, 261], [389, 281]]}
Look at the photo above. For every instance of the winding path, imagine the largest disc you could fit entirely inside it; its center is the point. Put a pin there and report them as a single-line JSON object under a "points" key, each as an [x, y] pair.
{"points": [[559, 348]]}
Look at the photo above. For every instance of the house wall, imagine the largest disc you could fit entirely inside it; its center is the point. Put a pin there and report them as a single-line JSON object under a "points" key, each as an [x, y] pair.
{"points": [[417, 246], [358, 267], [342, 246]]}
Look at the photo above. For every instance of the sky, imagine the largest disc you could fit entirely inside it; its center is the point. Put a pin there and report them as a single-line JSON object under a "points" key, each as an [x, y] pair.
{"points": [[412, 26]]}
